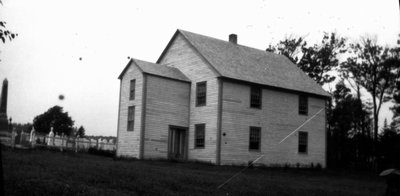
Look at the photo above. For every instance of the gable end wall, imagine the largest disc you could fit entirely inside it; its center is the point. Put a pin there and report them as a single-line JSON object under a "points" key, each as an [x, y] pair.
{"points": [[181, 55]]}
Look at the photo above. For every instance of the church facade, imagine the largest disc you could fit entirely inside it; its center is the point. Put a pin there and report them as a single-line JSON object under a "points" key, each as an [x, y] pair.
{"points": [[216, 101]]}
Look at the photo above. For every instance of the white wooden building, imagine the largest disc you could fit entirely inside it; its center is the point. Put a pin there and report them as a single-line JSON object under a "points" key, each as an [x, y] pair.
{"points": [[216, 101]]}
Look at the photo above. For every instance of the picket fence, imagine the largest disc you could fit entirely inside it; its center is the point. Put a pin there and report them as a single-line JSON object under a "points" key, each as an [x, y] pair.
{"points": [[24, 140]]}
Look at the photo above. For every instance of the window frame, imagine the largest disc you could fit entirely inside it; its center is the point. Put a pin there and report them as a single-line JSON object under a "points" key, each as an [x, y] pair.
{"points": [[303, 142], [257, 129], [200, 96], [256, 89], [303, 105], [198, 128], [132, 89], [131, 118]]}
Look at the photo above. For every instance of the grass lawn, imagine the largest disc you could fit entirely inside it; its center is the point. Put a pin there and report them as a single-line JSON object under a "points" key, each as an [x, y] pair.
{"points": [[41, 172]]}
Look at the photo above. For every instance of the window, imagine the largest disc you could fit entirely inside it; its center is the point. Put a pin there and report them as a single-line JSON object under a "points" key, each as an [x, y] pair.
{"points": [[255, 136], [303, 140], [303, 104], [132, 90], [131, 117], [199, 130], [201, 92], [255, 97]]}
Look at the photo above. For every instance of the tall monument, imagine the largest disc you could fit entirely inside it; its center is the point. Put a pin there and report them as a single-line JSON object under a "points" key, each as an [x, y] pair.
{"points": [[3, 106]]}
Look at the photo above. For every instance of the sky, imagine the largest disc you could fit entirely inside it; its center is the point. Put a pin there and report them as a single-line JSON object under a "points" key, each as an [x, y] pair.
{"points": [[78, 48]]}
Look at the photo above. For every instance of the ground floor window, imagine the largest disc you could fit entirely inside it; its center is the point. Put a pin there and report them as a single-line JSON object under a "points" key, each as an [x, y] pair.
{"points": [[199, 138], [255, 138], [303, 141]]}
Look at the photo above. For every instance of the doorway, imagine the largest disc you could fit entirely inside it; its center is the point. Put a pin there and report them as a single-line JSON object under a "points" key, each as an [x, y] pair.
{"points": [[177, 143]]}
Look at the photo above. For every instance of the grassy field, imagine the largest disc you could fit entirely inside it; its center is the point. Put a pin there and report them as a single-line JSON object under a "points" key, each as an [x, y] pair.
{"points": [[41, 172]]}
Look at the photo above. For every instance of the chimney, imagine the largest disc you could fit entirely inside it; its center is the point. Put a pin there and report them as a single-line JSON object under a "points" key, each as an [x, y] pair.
{"points": [[233, 38]]}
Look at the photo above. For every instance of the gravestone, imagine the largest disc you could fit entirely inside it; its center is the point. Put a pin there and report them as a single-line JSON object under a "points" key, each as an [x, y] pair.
{"points": [[3, 107], [50, 138]]}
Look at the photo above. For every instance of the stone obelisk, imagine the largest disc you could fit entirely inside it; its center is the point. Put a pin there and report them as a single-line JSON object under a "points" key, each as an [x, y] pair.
{"points": [[3, 106]]}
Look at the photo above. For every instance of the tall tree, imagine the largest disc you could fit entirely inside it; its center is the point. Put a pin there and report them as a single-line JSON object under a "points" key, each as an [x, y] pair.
{"points": [[396, 90], [371, 66], [56, 118], [291, 47], [317, 60], [345, 143], [322, 58]]}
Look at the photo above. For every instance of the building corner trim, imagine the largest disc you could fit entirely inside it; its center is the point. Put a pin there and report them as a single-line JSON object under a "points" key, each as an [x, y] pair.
{"points": [[219, 121], [119, 113], [143, 116]]}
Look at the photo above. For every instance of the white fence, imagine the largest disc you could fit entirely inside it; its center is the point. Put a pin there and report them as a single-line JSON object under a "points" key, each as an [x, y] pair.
{"points": [[25, 140]]}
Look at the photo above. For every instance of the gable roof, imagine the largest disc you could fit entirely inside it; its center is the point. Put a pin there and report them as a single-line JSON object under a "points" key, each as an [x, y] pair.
{"points": [[251, 65], [156, 69]]}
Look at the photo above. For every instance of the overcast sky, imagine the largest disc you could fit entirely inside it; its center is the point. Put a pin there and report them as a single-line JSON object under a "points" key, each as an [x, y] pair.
{"points": [[44, 60]]}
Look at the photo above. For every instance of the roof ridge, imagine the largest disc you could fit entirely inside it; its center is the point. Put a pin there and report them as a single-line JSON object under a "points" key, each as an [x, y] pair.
{"points": [[209, 37]]}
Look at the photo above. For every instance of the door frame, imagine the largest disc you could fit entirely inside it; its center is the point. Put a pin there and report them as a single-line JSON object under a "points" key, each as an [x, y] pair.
{"points": [[186, 142]]}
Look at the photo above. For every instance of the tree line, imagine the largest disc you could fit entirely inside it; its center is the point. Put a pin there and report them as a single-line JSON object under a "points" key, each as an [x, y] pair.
{"points": [[366, 75]]}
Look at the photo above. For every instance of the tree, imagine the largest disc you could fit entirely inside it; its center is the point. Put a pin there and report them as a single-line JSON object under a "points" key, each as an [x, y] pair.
{"points": [[317, 60], [346, 144], [291, 47], [322, 58], [371, 66], [56, 118], [396, 90], [396, 108], [81, 132], [389, 148], [4, 33]]}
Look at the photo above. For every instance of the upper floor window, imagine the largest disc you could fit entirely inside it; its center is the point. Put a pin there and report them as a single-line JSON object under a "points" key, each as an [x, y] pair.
{"points": [[132, 90], [199, 132], [255, 138], [201, 93], [303, 104], [303, 141], [255, 97], [131, 117]]}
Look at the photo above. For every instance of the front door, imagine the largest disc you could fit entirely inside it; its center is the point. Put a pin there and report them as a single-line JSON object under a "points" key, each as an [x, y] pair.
{"points": [[177, 142]]}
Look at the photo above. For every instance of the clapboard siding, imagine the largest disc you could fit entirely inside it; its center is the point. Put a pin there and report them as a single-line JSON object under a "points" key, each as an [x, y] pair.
{"points": [[129, 141], [166, 104], [277, 119], [182, 56]]}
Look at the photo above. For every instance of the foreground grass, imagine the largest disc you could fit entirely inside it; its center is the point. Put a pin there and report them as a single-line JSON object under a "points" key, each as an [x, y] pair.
{"points": [[39, 172]]}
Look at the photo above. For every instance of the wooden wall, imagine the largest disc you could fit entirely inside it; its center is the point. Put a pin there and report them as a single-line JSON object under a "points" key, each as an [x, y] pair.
{"points": [[129, 141], [167, 103], [277, 118], [170, 102], [182, 56]]}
